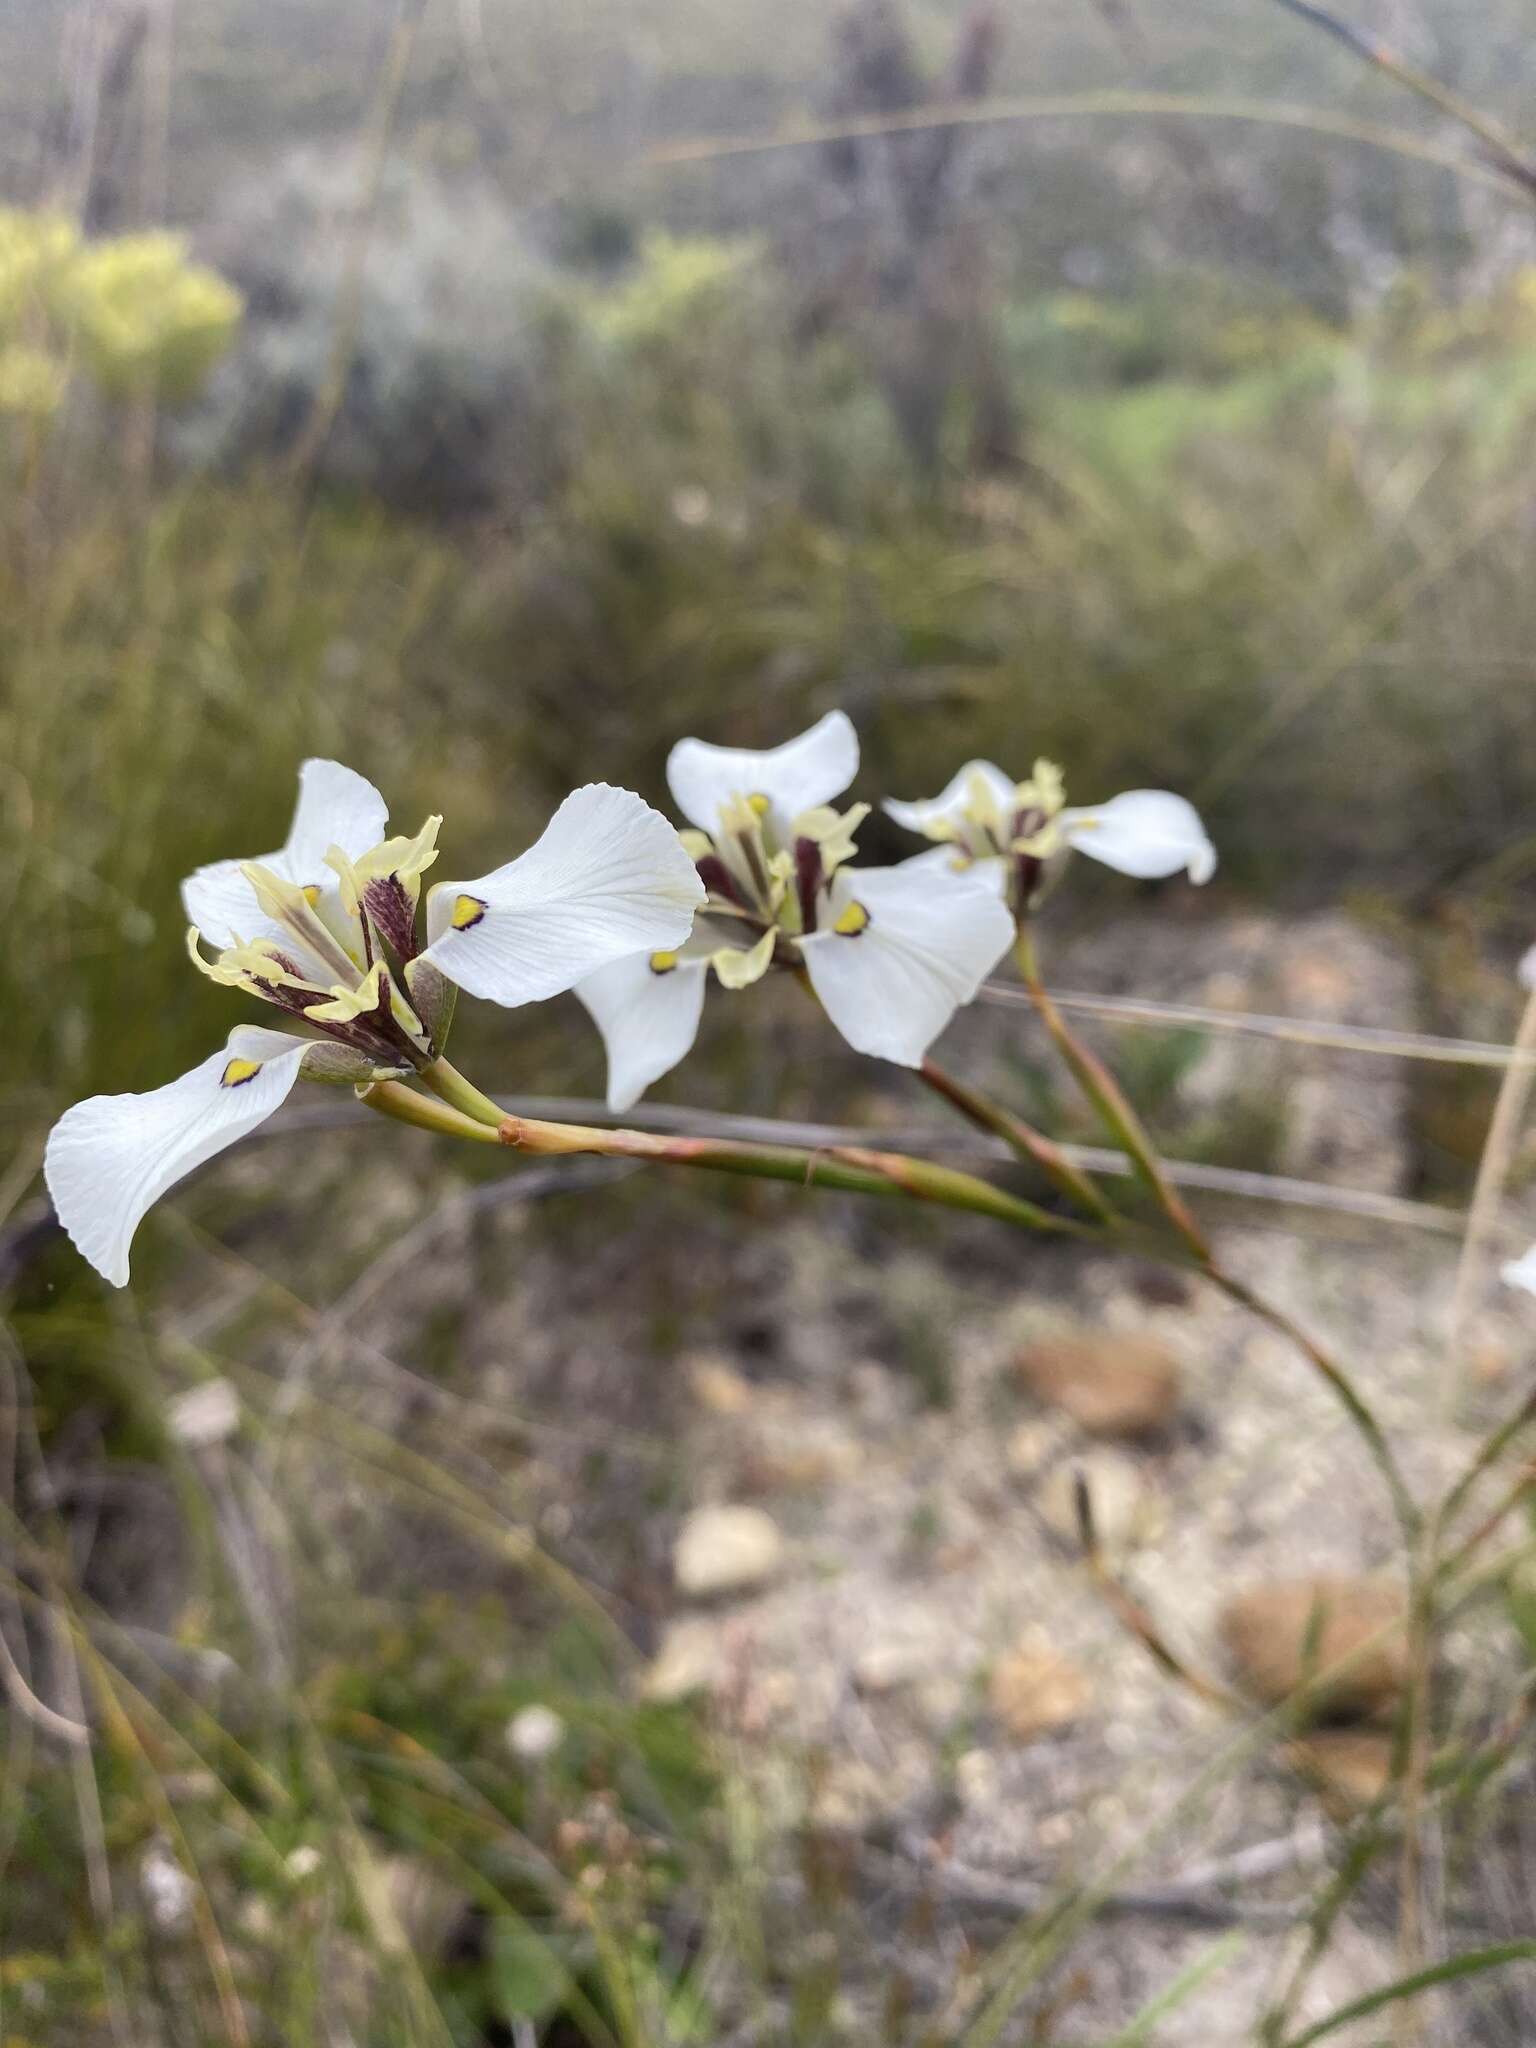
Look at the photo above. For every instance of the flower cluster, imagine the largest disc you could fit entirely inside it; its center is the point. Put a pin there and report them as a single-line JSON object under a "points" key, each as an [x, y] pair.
{"points": [[889, 956], [890, 952], [325, 929], [1014, 835], [613, 902]]}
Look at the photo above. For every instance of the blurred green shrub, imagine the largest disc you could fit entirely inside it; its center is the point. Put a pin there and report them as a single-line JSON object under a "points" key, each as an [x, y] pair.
{"points": [[1199, 326], [147, 316], [134, 311], [674, 279]]}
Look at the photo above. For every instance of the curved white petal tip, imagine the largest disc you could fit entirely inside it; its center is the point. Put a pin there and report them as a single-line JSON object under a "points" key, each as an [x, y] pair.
{"points": [[956, 799], [336, 807], [1525, 973], [903, 948], [809, 770], [647, 1008], [607, 877], [110, 1158], [1148, 833], [1521, 1272]]}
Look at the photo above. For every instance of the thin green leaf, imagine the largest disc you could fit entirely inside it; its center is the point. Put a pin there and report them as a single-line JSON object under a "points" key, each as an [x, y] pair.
{"points": [[1469, 1965], [1139, 2029]]}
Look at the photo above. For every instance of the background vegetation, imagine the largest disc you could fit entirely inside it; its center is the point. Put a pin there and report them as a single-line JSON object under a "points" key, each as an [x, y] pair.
{"points": [[1185, 443]]}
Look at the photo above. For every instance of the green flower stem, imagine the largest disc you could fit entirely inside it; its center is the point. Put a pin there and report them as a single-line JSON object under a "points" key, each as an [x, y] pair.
{"points": [[446, 1080], [408, 1105], [1488, 1455], [1105, 1095], [1029, 1143], [1338, 1381], [853, 1168]]}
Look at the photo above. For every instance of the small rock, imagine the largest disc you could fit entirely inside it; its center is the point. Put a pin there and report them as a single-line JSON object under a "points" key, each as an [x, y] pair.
{"points": [[1029, 1446], [691, 1659], [1351, 1768], [718, 1387], [976, 1778], [1282, 1634], [726, 1550], [1056, 1830], [1034, 1691], [204, 1415], [850, 1794], [1162, 1286], [1126, 1513], [802, 1459], [942, 1698], [1491, 1358], [1119, 1385], [888, 1667]]}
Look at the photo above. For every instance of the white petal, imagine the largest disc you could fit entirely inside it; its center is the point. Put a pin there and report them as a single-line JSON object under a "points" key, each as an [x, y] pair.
{"points": [[109, 1158], [336, 807], [1521, 1272], [257, 1042], [222, 904], [953, 800], [1144, 832], [804, 772], [1525, 973], [608, 877], [648, 1020], [929, 944], [990, 874]]}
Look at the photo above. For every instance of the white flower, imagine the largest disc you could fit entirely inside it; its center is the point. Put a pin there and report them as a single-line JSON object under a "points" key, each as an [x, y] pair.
{"points": [[1004, 832], [326, 930], [1520, 1272], [889, 956], [1148, 833], [779, 783]]}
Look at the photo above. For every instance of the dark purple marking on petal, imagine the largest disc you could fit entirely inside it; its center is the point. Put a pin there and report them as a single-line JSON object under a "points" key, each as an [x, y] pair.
{"points": [[808, 878], [719, 881], [388, 906]]}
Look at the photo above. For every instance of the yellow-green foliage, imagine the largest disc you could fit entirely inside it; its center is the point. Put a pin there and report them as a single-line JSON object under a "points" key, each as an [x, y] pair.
{"points": [[36, 250], [146, 314], [32, 382], [675, 278], [133, 310]]}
